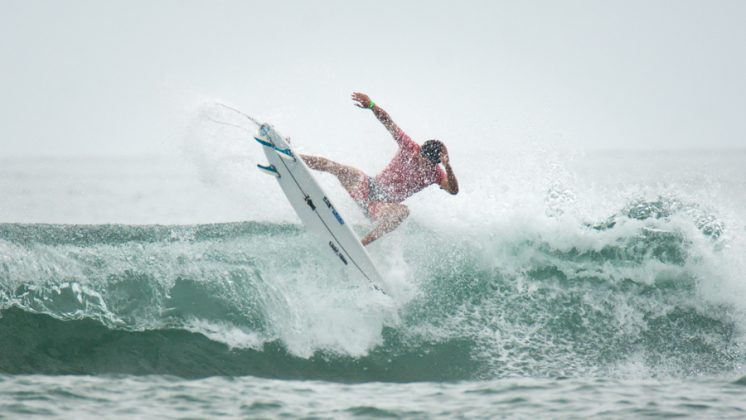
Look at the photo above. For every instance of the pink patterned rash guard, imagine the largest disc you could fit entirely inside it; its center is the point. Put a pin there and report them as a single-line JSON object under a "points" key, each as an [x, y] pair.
{"points": [[404, 176]]}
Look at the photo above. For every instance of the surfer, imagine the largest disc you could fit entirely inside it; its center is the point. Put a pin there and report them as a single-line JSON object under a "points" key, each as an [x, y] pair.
{"points": [[413, 168]]}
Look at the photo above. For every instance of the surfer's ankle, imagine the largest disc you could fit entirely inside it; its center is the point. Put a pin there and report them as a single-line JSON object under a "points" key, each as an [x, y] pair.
{"points": [[315, 162]]}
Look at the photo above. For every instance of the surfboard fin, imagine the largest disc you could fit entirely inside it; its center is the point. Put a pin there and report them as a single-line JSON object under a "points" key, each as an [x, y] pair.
{"points": [[285, 154], [269, 170], [264, 143]]}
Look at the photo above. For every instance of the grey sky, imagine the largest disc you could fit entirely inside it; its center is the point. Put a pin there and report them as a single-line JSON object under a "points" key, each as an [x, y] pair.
{"points": [[122, 77]]}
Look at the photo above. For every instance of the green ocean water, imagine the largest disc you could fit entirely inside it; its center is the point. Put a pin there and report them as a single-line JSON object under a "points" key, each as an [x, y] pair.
{"points": [[231, 298], [638, 311]]}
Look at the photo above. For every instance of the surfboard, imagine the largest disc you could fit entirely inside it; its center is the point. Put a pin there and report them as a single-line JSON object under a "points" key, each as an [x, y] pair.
{"points": [[314, 207]]}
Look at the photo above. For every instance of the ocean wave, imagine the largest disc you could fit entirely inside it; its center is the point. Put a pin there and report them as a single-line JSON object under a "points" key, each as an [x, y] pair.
{"points": [[627, 296]]}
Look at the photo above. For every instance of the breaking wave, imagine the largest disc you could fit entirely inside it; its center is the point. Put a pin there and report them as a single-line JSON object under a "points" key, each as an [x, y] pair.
{"points": [[650, 291]]}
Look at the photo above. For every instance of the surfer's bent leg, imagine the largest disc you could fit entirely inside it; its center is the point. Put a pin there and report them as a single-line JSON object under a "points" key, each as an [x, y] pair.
{"points": [[349, 177], [390, 216]]}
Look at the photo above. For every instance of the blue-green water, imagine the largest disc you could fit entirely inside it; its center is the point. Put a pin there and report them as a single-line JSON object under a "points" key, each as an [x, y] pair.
{"points": [[249, 397], [626, 309]]}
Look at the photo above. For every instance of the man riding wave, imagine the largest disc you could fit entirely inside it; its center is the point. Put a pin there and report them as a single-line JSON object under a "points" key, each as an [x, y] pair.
{"points": [[413, 168]]}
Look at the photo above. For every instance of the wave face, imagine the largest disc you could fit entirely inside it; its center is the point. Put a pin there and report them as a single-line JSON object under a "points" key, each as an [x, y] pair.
{"points": [[651, 291]]}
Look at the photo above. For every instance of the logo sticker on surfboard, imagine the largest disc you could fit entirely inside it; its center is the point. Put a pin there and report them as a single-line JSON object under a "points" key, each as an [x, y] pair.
{"points": [[334, 211], [336, 251]]}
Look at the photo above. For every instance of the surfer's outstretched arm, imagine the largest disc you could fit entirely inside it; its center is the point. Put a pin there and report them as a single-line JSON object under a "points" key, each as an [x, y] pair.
{"points": [[364, 101]]}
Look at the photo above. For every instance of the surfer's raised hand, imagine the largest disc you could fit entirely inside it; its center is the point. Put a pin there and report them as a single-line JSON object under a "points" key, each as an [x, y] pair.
{"points": [[363, 100]]}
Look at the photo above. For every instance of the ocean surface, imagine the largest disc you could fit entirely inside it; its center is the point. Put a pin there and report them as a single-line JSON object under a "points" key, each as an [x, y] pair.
{"points": [[555, 285]]}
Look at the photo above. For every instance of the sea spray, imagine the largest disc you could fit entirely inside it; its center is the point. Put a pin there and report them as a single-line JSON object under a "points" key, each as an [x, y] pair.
{"points": [[550, 299]]}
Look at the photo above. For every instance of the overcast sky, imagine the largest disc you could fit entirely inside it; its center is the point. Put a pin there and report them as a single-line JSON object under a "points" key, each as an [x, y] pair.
{"points": [[123, 77]]}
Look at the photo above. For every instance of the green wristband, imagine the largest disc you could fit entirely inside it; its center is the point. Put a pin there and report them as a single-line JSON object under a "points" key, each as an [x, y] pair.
{"points": [[371, 105]]}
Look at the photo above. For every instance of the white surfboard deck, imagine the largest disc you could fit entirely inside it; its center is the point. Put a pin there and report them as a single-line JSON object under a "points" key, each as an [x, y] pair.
{"points": [[314, 207]]}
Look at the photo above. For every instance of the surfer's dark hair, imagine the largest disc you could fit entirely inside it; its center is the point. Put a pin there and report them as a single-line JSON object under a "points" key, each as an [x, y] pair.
{"points": [[431, 149]]}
